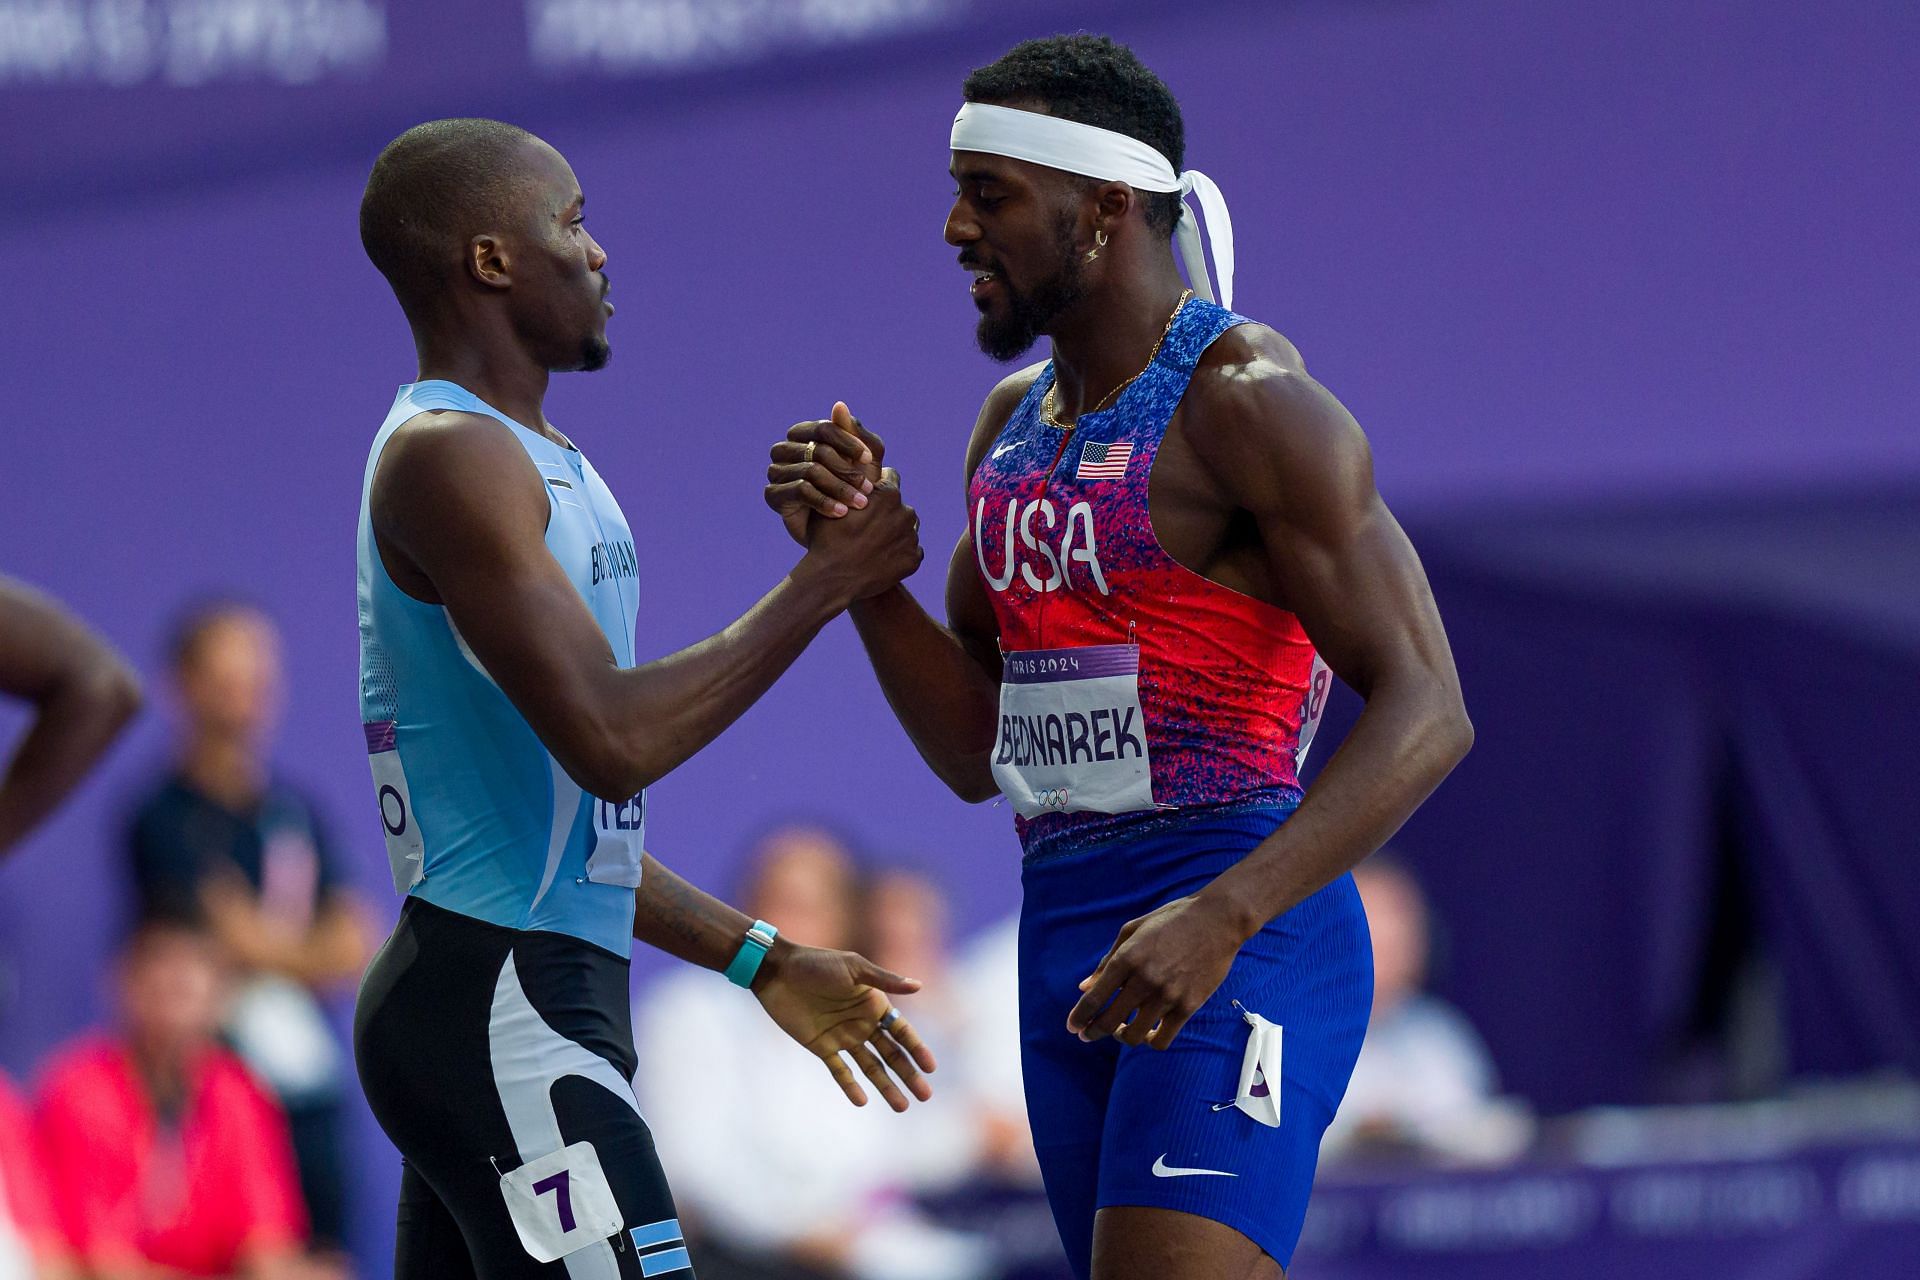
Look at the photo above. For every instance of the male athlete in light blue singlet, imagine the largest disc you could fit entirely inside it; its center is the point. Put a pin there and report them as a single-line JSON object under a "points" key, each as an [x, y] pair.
{"points": [[513, 732], [1173, 537]]}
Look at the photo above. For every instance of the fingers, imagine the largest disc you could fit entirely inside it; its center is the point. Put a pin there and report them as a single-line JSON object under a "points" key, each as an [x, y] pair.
{"points": [[910, 1040], [1170, 1026], [1101, 987], [1141, 1023], [876, 1071], [829, 437], [834, 459], [823, 480], [784, 494], [866, 971], [844, 1077], [902, 1065], [1125, 1006], [844, 419]]}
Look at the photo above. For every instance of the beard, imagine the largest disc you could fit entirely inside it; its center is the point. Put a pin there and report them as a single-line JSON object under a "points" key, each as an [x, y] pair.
{"points": [[1005, 338], [594, 354]]}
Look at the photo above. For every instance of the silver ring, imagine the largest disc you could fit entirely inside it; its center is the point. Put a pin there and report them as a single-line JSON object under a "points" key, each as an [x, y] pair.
{"points": [[888, 1018], [810, 447]]}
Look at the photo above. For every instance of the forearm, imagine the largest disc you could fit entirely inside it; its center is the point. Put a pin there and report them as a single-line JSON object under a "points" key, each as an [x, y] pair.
{"points": [[247, 936], [948, 705], [687, 922], [335, 949], [666, 711], [75, 724], [1404, 743]]}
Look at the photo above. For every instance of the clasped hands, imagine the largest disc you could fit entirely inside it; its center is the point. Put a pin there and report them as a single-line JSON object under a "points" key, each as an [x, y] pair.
{"points": [[827, 470]]}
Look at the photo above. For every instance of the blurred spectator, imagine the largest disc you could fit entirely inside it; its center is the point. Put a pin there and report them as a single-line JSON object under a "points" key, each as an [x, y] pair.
{"points": [[776, 1176], [986, 1052], [905, 917], [31, 1244], [162, 1153], [1424, 1084], [225, 841]]}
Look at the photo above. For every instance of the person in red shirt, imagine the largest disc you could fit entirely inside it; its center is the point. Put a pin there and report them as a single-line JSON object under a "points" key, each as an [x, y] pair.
{"points": [[31, 1243], [163, 1155]]}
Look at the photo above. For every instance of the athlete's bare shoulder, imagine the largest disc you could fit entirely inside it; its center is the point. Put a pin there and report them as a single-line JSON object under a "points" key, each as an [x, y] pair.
{"points": [[1247, 356], [1256, 419], [450, 483], [438, 450], [999, 406]]}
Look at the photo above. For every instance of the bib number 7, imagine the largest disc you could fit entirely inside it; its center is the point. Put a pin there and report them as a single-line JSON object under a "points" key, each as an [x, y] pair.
{"points": [[561, 1202]]}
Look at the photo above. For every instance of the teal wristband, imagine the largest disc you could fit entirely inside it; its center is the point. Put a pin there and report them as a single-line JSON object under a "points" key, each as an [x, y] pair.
{"points": [[746, 961]]}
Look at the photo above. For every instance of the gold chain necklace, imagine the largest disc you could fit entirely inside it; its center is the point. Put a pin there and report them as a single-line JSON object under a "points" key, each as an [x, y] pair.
{"points": [[1048, 401]]}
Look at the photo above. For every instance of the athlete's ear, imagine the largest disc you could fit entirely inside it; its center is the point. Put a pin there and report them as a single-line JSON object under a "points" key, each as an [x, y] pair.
{"points": [[1112, 201], [487, 261]]}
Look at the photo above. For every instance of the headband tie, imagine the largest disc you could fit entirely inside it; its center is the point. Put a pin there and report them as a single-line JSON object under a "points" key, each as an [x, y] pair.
{"points": [[1098, 153]]}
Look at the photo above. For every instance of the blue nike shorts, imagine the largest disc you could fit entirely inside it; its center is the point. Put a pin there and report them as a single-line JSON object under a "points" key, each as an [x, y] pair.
{"points": [[1120, 1125]]}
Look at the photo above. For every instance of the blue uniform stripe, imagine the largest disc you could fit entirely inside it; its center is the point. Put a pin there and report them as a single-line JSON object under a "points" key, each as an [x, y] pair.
{"points": [[661, 1263], [664, 1232]]}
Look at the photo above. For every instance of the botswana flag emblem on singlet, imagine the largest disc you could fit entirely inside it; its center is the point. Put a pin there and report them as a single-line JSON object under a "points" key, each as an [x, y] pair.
{"points": [[1102, 461]]}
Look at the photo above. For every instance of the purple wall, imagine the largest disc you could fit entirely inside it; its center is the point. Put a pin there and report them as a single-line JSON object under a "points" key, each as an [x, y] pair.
{"points": [[1541, 251]]}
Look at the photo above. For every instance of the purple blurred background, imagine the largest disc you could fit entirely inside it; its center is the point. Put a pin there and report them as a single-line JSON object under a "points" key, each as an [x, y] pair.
{"points": [[1613, 286]]}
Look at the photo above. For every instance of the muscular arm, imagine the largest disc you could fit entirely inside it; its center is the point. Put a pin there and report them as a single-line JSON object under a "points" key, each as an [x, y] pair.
{"points": [[83, 694], [460, 515], [943, 682], [1271, 442], [1281, 447]]}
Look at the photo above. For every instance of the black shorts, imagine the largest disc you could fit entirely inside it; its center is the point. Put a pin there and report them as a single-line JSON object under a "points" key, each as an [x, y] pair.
{"points": [[483, 1048]]}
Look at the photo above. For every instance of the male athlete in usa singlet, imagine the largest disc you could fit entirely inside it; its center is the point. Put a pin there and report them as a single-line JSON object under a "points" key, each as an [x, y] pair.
{"points": [[1151, 726], [1228, 688], [1167, 522]]}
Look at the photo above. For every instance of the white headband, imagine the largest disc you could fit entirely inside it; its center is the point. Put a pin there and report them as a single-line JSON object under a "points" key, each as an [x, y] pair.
{"points": [[1111, 157]]}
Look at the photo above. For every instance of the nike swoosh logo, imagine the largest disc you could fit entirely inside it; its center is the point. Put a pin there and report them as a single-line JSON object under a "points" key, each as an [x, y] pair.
{"points": [[1005, 448], [1161, 1169]]}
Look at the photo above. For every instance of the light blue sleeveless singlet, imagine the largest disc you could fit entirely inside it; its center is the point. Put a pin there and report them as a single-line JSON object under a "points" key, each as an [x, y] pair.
{"points": [[479, 816]]}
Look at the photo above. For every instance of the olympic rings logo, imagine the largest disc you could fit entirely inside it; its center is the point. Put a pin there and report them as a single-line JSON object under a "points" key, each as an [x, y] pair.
{"points": [[1052, 798], [393, 817]]}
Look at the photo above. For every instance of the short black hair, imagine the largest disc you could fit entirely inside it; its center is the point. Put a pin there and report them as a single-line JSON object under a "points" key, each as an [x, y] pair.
{"points": [[1095, 81], [433, 187]]}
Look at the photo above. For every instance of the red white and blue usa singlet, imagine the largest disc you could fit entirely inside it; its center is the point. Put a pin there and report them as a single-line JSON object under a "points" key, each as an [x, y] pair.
{"points": [[1133, 688]]}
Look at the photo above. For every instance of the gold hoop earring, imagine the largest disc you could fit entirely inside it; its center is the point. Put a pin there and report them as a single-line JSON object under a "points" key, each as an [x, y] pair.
{"points": [[1099, 243]]}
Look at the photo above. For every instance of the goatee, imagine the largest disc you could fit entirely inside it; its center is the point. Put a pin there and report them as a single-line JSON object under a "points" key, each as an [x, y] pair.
{"points": [[1028, 314]]}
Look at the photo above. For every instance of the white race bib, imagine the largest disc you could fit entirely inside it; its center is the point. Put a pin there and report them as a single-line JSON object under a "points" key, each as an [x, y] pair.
{"points": [[1072, 737], [1259, 1092], [1312, 708], [561, 1202], [619, 839], [406, 851]]}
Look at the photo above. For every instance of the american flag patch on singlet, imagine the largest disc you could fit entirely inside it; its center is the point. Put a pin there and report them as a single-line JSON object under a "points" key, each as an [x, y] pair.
{"points": [[1100, 461]]}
